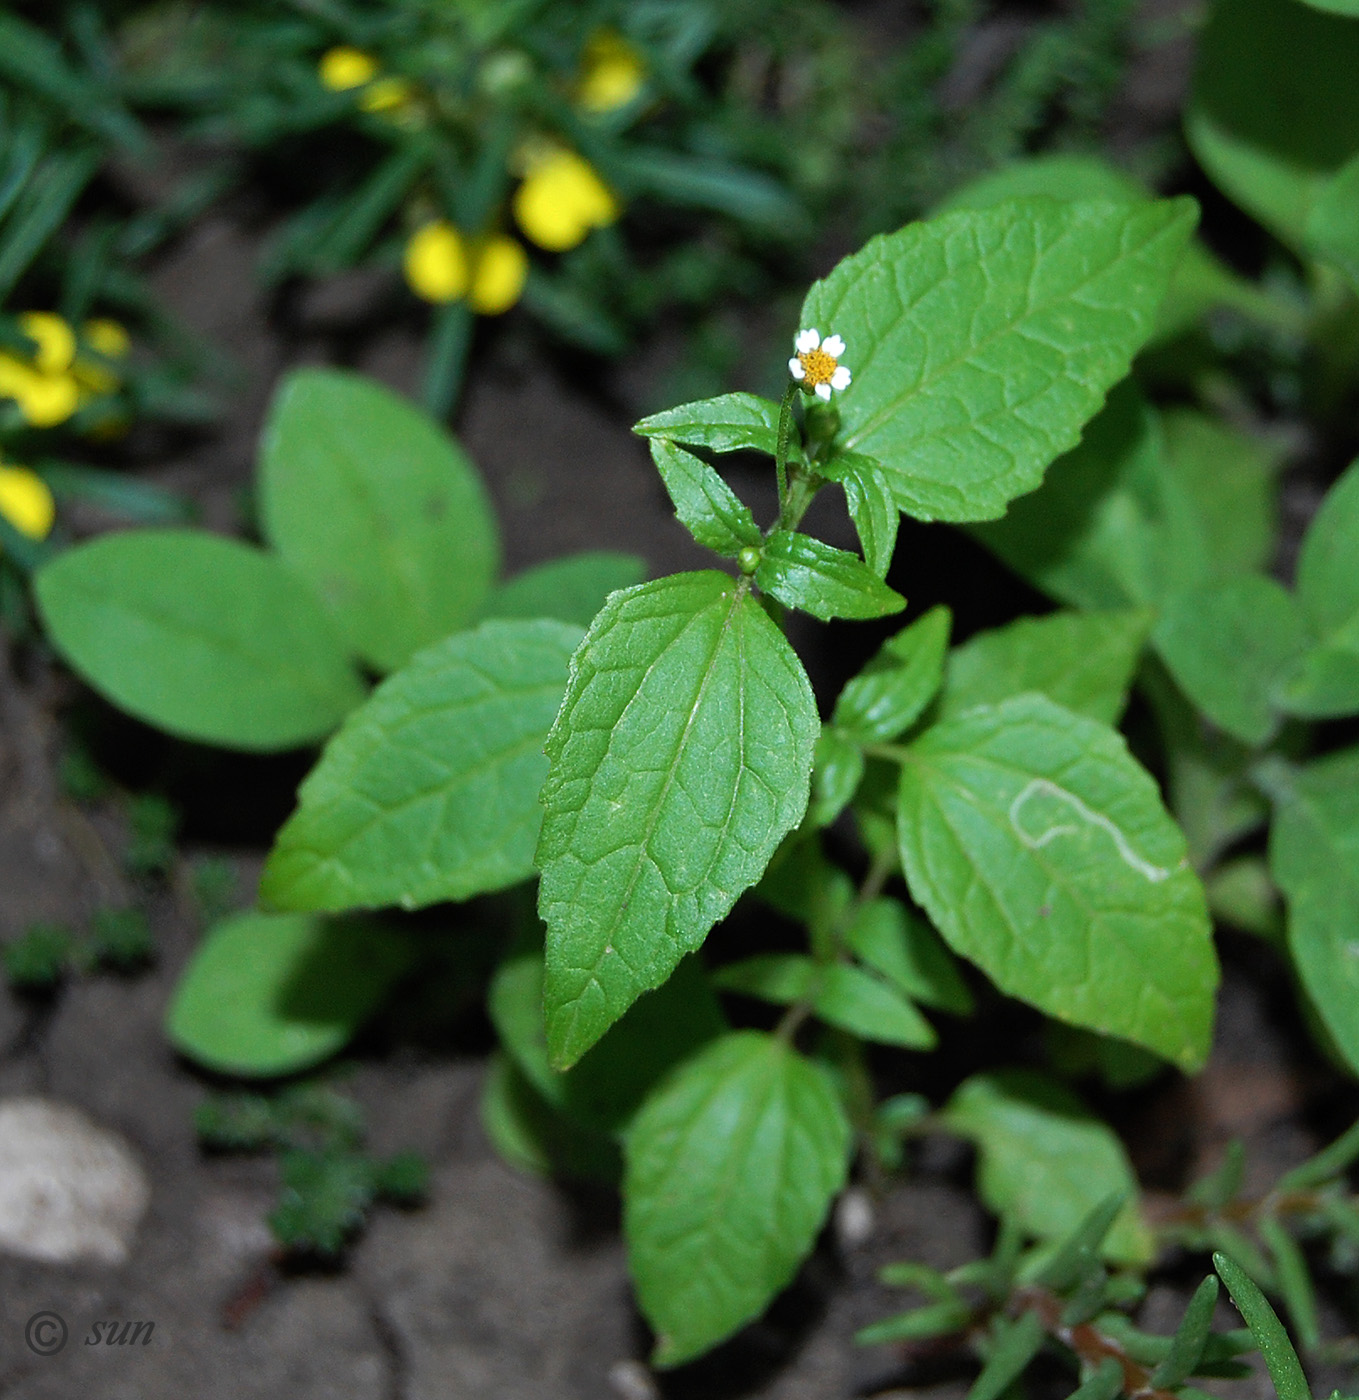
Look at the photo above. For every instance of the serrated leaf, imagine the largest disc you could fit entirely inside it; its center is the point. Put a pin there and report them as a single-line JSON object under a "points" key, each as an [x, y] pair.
{"points": [[805, 573], [1314, 857], [1041, 851], [724, 424], [891, 692], [603, 1091], [704, 504], [270, 994], [1271, 133], [982, 340], [199, 635], [371, 502], [680, 758], [872, 508], [1333, 225], [1083, 660], [836, 773], [1232, 647], [1112, 526], [909, 954], [1044, 1161], [571, 589], [730, 1168], [1327, 683], [430, 790]]}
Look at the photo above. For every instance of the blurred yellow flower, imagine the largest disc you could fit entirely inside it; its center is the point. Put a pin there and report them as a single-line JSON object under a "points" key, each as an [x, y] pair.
{"points": [[442, 266], [343, 68], [436, 262], [26, 502], [385, 95], [44, 387], [561, 199], [498, 275], [109, 339], [612, 73]]}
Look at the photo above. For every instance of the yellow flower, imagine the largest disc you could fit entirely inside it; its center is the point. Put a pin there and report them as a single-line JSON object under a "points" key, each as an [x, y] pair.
{"points": [[561, 200], [343, 68], [612, 73], [436, 262], [26, 502], [498, 275], [44, 388], [442, 266], [109, 339]]}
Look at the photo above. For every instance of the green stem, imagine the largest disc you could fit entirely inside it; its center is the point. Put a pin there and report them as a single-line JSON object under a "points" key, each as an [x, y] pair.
{"points": [[784, 439], [449, 342]]}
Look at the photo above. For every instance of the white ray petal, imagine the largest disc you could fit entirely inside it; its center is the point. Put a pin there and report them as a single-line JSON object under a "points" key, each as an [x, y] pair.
{"points": [[823, 392], [796, 370], [807, 340], [834, 346]]}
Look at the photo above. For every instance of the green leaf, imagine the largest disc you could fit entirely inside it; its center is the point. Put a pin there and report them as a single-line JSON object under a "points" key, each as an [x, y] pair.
{"points": [[1017, 1343], [605, 1088], [199, 635], [430, 790], [1231, 647], [1272, 133], [680, 758], [841, 995], [730, 1168], [1079, 1253], [379, 510], [1337, 7], [704, 504], [1294, 1281], [909, 954], [1285, 1370], [532, 1135], [891, 692], [1314, 856], [1112, 526], [838, 769], [1041, 851], [269, 994], [1045, 1161], [1328, 591], [1082, 660], [1229, 477], [868, 493], [982, 340], [1191, 1336], [822, 580], [1333, 225], [571, 589], [724, 424]]}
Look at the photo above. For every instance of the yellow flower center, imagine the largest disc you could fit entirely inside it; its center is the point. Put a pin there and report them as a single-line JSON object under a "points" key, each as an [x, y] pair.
{"points": [[818, 367]]}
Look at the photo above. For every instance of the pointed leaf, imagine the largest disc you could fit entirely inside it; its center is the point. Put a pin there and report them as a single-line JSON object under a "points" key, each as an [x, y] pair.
{"points": [[982, 340], [838, 769], [1333, 225], [822, 580], [379, 510], [680, 758], [724, 424], [704, 504], [430, 790], [1285, 1370], [1083, 660], [1041, 851], [909, 954], [571, 589], [730, 1169], [1191, 1336], [868, 493], [201, 636], [891, 692]]}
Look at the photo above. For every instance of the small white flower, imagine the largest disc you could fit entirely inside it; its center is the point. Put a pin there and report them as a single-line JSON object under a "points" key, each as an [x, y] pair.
{"points": [[816, 366]]}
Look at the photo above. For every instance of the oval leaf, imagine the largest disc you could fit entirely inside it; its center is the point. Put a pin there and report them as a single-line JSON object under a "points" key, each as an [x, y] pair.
{"points": [[982, 340], [730, 1168], [430, 791], [891, 692], [378, 509], [726, 423], [268, 994], [201, 636], [822, 580], [704, 504], [1042, 852], [681, 757]]}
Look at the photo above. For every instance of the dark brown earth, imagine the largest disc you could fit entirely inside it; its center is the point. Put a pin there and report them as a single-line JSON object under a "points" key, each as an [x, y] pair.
{"points": [[502, 1287]]}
